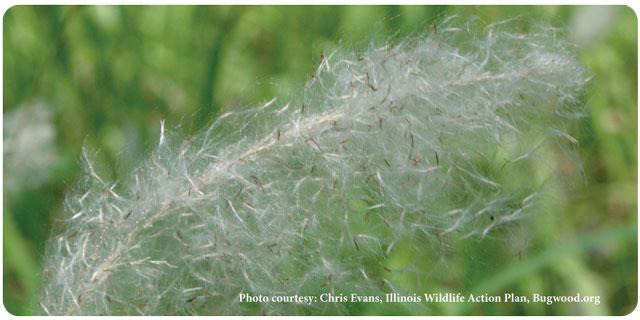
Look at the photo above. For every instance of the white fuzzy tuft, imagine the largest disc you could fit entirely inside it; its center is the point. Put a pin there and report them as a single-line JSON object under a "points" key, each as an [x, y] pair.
{"points": [[413, 142]]}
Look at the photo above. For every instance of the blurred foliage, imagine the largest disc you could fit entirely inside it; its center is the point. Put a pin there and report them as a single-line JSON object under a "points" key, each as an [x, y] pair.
{"points": [[109, 74]]}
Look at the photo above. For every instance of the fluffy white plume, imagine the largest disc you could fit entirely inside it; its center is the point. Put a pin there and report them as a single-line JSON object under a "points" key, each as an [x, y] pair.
{"points": [[414, 142]]}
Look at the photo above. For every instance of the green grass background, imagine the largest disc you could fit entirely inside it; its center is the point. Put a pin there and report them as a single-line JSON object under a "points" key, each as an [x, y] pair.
{"points": [[110, 74]]}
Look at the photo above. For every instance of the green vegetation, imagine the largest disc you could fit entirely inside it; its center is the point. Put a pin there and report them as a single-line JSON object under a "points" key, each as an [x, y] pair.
{"points": [[104, 77]]}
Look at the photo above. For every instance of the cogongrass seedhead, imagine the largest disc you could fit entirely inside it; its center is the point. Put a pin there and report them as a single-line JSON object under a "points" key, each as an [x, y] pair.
{"points": [[415, 142]]}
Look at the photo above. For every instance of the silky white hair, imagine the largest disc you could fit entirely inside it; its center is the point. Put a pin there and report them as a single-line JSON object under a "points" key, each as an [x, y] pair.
{"points": [[417, 142]]}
